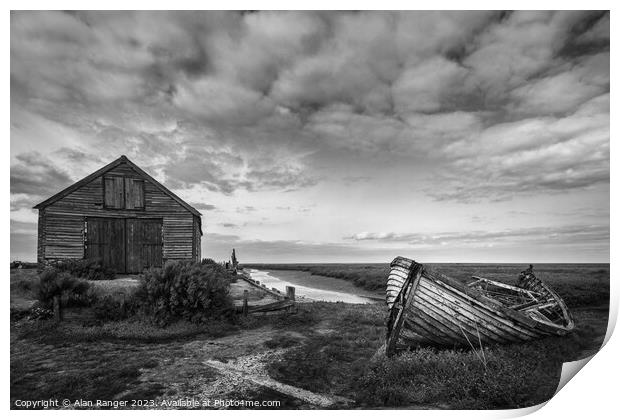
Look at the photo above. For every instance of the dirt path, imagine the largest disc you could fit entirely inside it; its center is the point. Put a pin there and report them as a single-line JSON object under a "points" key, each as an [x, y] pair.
{"points": [[231, 367], [252, 374]]}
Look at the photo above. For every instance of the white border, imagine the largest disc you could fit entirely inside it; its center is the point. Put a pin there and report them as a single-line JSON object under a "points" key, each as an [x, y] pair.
{"points": [[591, 395]]}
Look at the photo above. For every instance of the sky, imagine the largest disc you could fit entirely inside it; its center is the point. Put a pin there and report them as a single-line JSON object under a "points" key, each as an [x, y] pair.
{"points": [[329, 136]]}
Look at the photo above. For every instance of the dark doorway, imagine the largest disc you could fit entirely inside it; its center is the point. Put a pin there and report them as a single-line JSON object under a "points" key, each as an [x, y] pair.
{"points": [[125, 245], [144, 244]]}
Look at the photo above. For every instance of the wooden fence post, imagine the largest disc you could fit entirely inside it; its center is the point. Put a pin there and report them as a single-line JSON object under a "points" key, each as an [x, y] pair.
{"points": [[57, 308], [123, 303], [245, 302], [290, 292]]}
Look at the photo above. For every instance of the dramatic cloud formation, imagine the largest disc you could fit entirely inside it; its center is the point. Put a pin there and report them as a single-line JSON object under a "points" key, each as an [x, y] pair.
{"points": [[294, 130]]}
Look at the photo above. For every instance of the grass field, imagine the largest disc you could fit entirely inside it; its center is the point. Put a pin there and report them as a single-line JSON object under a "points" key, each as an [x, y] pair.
{"points": [[327, 348]]}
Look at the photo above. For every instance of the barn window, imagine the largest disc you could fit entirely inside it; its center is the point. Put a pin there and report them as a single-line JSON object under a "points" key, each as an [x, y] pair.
{"points": [[123, 193], [134, 193], [114, 193]]}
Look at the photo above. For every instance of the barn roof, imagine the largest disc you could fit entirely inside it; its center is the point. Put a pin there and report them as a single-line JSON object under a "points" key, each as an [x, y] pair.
{"points": [[100, 172]]}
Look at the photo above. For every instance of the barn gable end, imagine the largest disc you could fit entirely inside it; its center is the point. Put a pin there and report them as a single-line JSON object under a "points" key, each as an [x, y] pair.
{"points": [[119, 206]]}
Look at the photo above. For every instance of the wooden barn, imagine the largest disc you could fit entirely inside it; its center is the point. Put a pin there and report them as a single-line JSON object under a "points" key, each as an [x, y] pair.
{"points": [[121, 215]]}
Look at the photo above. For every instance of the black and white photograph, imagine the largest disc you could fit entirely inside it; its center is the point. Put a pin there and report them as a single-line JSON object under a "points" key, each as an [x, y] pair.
{"points": [[306, 210]]}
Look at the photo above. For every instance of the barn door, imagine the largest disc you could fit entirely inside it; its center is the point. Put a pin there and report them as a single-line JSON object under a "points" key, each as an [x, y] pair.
{"points": [[144, 244], [105, 240]]}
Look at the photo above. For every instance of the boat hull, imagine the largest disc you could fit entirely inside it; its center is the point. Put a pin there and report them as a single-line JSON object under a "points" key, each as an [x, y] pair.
{"points": [[427, 308]]}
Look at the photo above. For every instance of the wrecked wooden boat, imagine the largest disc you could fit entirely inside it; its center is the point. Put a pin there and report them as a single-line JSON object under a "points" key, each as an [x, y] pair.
{"points": [[429, 308]]}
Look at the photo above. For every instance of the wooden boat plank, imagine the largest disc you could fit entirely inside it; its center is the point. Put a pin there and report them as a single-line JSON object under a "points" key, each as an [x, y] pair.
{"points": [[400, 271], [415, 323], [460, 324], [413, 280], [448, 327], [500, 323], [468, 323], [440, 329], [435, 327], [494, 306], [396, 280], [473, 318], [402, 263]]}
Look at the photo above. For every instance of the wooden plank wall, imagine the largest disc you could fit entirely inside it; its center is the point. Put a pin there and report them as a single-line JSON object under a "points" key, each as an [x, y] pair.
{"points": [[61, 224], [197, 238]]}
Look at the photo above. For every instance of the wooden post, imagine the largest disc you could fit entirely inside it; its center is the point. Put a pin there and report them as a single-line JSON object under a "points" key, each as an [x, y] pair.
{"points": [[290, 292], [245, 303], [123, 304], [57, 309]]}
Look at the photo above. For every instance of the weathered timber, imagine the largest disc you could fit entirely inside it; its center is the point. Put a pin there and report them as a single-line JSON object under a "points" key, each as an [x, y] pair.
{"points": [[121, 215], [271, 307], [245, 302], [290, 293], [429, 308], [58, 309]]}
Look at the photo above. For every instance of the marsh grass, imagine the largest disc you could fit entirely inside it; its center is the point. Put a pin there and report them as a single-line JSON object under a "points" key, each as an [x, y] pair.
{"points": [[101, 382], [133, 330], [345, 362]]}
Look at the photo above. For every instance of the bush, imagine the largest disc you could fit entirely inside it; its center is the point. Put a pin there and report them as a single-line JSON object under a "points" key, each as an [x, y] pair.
{"points": [[185, 290], [82, 298], [26, 285], [53, 282], [38, 312], [109, 309], [209, 261], [19, 313], [91, 269]]}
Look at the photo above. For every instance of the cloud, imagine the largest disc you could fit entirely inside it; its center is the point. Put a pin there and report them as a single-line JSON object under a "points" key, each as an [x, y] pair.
{"points": [[425, 87], [564, 92], [465, 107], [533, 155], [222, 101], [246, 209], [203, 206], [36, 175], [229, 225], [538, 235]]}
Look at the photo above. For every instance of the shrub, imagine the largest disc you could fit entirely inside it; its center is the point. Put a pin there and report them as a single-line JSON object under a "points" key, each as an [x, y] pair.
{"points": [[56, 283], [91, 269], [209, 261], [109, 309], [26, 285], [38, 312], [35, 313], [82, 298], [185, 290], [19, 313]]}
